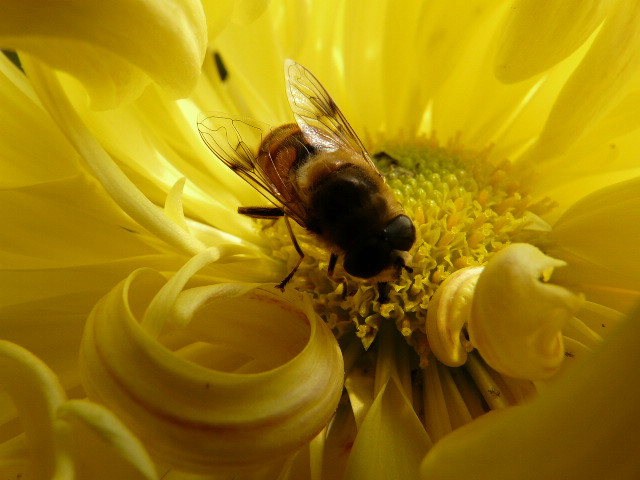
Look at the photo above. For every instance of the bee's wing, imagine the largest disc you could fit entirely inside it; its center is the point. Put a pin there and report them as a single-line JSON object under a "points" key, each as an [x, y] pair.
{"points": [[317, 115], [238, 141]]}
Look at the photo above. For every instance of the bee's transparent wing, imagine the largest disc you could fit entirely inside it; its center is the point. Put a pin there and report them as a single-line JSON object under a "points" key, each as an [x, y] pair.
{"points": [[237, 142], [317, 115]]}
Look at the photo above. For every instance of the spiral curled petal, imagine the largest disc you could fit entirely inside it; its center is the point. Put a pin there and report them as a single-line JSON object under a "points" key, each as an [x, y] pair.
{"points": [[239, 376], [516, 318]]}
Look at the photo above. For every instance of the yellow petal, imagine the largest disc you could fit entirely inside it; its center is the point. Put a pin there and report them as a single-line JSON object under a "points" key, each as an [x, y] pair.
{"points": [[538, 35], [105, 449], [603, 228], [438, 40], [516, 319], [391, 440], [338, 443], [220, 12], [197, 417], [29, 134], [67, 210], [600, 81], [155, 315], [108, 173], [585, 426], [173, 204], [114, 48], [217, 13], [448, 313], [599, 283], [444, 406]]}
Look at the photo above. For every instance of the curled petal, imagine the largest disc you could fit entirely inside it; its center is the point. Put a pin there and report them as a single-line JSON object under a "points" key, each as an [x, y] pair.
{"points": [[516, 318], [586, 425], [113, 48], [245, 377], [448, 313]]}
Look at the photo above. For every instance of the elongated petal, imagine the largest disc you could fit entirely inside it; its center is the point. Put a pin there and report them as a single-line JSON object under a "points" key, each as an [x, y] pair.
{"points": [[391, 440], [112, 48], [29, 134], [108, 173], [196, 408], [539, 34], [603, 228], [586, 426]]}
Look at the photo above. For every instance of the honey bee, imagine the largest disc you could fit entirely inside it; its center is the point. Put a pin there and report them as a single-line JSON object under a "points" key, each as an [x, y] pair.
{"points": [[318, 173]]}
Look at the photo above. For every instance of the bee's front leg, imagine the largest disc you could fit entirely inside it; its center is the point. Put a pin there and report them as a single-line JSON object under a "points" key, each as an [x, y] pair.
{"points": [[261, 212], [273, 213], [342, 280], [286, 279], [383, 292]]}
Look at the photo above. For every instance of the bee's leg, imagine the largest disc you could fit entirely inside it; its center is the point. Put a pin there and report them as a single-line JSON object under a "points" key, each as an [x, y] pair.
{"points": [[383, 292], [261, 212], [282, 284], [332, 264], [342, 281]]}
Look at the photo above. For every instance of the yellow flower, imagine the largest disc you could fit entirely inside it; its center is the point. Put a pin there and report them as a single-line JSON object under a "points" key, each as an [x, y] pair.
{"points": [[508, 131]]}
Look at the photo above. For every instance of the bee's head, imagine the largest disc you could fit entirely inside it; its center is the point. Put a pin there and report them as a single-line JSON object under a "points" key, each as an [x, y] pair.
{"points": [[375, 254]]}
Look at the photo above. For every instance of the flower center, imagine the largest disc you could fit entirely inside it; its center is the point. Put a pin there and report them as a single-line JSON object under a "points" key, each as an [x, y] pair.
{"points": [[464, 210]]}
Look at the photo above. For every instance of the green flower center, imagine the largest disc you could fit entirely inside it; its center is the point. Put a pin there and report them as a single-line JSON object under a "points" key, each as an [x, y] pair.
{"points": [[464, 210]]}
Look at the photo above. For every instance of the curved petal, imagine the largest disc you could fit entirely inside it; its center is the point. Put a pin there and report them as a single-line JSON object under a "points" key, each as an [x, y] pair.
{"points": [[37, 394], [253, 376], [219, 12], [584, 426], [113, 48], [603, 228]]}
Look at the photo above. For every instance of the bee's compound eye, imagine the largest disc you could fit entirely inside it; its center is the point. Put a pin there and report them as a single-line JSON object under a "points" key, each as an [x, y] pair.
{"points": [[400, 233], [368, 259]]}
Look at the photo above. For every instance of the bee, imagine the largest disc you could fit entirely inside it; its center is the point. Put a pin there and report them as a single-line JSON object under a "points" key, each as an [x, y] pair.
{"points": [[317, 173]]}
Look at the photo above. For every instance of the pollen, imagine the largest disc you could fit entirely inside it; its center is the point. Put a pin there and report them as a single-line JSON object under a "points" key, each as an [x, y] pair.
{"points": [[464, 208]]}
